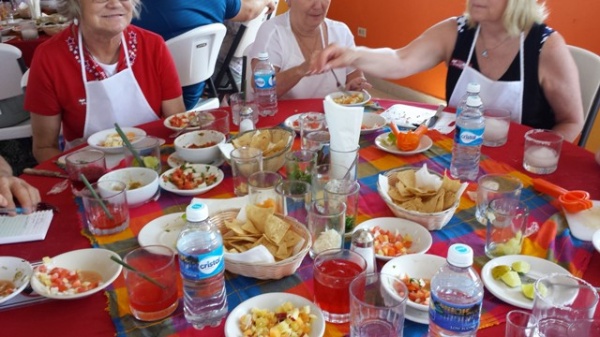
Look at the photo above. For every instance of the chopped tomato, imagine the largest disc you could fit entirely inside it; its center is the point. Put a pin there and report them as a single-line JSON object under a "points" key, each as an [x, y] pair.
{"points": [[418, 289], [388, 243], [187, 178]]}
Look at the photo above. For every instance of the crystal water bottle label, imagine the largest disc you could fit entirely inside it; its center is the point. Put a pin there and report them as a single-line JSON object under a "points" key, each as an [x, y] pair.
{"points": [[202, 266], [264, 81], [468, 137], [453, 316]]}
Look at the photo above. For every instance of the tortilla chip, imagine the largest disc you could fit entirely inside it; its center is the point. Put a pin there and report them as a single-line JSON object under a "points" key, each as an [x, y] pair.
{"points": [[243, 140], [449, 199], [407, 178], [249, 228], [282, 253], [291, 239], [258, 215], [235, 226], [261, 140], [271, 247], [449, 184], [275, 229]]}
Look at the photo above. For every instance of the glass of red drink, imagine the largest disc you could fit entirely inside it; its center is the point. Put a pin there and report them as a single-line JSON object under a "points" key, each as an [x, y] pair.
{"points": [[377, 305], [333, 271], [107, 211], [151, 301], [91, 163]]}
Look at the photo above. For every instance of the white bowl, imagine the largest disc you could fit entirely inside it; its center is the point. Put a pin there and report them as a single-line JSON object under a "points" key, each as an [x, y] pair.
{"points": [[415, 266], [205, 155], [336, 95], [16, 270], [199, 168], [90, 259], [141, 183], [271, 301], [421, 238], [97, 139], [372, 122]]}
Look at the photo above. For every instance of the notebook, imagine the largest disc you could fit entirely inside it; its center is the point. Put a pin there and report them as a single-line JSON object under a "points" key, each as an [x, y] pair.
{"points": [[24, 228]]}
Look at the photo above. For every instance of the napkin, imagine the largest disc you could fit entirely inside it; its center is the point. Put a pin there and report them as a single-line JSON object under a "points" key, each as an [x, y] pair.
{"points": [[344, 132], [258, 254]]}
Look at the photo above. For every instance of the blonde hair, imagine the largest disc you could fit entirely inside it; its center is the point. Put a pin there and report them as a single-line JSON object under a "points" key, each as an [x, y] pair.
{"points": [[71, 9], [518, 16]]}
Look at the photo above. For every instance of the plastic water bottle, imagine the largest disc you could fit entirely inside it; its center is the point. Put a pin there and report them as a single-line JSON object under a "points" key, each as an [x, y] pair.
{"points": [[473, 89], [456, 296], [468, 138], [201, 263], [265, 91]]}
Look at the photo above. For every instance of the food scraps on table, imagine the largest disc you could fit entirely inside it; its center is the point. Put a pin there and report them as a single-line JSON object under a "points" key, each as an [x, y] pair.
{"points": [[286, 320], [262, 227], [404, 192], [388, 243], [186, 177], [62, 281]]}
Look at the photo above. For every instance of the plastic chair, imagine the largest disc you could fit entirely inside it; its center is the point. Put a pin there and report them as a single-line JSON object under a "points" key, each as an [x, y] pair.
{"points": [[11, 73], [244, 37], [195, 54], [588, 65]]}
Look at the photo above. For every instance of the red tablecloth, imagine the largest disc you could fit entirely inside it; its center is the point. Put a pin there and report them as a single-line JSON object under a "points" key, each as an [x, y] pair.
{"points": [[87, 316], [28, 47]]}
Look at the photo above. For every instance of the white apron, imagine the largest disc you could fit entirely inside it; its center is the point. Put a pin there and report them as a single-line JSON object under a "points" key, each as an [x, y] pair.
{"points": [[116, 99], [494, 94]]}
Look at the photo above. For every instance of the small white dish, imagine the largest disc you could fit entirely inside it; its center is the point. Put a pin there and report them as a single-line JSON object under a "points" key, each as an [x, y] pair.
{"points": [[417, 316], [271, 301], [183, 119], [199, 147], [414, 266], [293, 122], [420, 235], [371, 122], [584, 224], [366, 97], [97, 140], [381, 143], [200, 168], [90, 259], [163, 230], [539, 268], [141, 183], [596, 240], [17, 271]]}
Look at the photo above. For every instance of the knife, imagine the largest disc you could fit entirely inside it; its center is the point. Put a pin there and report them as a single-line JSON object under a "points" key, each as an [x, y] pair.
{"points": [[439, 112]]}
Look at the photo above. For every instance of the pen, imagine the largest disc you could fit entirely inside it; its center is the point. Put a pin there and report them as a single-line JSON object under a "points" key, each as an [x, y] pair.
{"points": [[16, 210]]}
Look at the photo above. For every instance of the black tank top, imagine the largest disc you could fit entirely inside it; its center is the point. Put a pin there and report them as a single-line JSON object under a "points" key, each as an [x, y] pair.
{"points": [[536, 110]]}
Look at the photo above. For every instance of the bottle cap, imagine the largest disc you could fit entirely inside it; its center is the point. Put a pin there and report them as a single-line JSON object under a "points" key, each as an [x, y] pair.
{"points": [[473, 101], [263, 55], [362, 238], [460, 255], [473, 88], [196, 212]]}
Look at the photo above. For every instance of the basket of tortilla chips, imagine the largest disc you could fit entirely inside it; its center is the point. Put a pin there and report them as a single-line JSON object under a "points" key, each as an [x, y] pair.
{"points": [[274, 143], [421, 195], [286, 241]]}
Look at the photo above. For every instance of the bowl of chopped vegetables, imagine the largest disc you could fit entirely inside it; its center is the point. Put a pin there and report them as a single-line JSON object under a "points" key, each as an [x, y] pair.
{"points": [[276, 314], [416, 271], [199, 146], [395, 237], [191, 179]]}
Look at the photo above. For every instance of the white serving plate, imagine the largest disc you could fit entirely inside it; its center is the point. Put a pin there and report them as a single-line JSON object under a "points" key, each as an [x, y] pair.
{"points": [[97, 138], [293, 122], [420, 235], [424, 145], [167, 186], [163, 230], [92, 259], [514, 296], [271, 301], [584, 224], [16, 270]]}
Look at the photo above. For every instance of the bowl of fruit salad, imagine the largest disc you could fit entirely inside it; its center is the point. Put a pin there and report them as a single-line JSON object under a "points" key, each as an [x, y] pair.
{"points": [[75, 274]]}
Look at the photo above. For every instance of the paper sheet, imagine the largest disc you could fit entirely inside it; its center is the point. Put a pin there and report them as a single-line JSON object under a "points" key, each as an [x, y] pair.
{"points": [[24, 228]]}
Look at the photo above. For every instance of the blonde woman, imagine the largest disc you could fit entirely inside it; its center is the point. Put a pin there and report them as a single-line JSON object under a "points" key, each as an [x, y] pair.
{"points": [[521, 64]]}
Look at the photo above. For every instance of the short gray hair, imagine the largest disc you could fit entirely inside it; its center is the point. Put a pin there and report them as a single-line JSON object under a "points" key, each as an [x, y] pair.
{"points": [[71, 9], [519, 15]]}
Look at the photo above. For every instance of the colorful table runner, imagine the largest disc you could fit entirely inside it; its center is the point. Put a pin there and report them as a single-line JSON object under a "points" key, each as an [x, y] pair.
{"points": [[553, 241]]}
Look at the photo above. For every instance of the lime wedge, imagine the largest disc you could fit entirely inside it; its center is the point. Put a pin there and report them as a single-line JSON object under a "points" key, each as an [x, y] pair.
{"points": [[521, 267], [498, 271], [542, 289], [511, 279], [151, 162], [527, 290]]}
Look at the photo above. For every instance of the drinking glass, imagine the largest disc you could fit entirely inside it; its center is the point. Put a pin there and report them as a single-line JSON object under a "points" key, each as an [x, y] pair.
{"points": [[347, 158], [28, 30], [245, 160], [151, 301], [542, 150], [219, 123], [148, 148], [237, 101], [314, 135], [585, 327], [299, 165], [326, 222], [333, 270], [552, 327], [520, 323], [107, 211], [294, 198], [497, 123], [322, 174], [261, 188], [91, 163], [346, 191], [564, 297], [377, 305], [507, 225], [495, 186]]}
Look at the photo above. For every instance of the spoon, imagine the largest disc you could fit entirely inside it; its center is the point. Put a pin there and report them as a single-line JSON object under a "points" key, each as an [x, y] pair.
{"points": [[571, 201]]}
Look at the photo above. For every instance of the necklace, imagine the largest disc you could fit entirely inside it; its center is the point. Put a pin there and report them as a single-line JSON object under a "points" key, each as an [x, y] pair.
{"points": [[485, 52]]}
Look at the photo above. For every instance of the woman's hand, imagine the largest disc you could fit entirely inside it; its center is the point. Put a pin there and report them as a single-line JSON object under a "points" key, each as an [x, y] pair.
{"points": [[358, 84], [333, 56], [15, 188]]}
